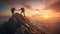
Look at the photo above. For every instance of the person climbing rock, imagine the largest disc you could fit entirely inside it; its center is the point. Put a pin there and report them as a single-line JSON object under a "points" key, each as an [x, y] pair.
{"points": [[23, 11], [12, 10]]}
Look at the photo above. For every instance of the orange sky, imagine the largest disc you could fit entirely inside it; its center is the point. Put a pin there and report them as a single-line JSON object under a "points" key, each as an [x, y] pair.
{"points": [[47, 11], [31, 6]]}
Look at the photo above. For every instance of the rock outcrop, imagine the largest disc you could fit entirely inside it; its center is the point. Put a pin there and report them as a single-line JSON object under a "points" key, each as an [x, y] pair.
{"points": [[18, 24]]}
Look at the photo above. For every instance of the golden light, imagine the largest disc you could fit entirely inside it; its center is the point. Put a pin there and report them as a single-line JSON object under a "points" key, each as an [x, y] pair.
{"points": [[46, 16]]}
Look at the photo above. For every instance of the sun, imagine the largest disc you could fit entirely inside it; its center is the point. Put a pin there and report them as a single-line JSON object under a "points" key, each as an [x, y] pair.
{"points": [[46, 16]]}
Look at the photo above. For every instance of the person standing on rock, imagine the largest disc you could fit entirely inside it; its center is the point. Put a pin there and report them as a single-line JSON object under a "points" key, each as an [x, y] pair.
{"points": [[12, 10], [22, 11]]}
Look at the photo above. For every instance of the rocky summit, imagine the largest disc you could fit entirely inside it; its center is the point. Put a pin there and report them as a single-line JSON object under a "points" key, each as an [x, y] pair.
{"points": [[19, 24]]}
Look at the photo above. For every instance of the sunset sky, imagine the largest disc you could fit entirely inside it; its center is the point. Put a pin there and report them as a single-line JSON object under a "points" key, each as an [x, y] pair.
{"points": [[32, 7], [47, 11]]}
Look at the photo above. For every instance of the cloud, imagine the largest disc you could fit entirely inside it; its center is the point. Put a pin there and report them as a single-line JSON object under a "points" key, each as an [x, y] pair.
{"points": [[12, 3], [54, 5]]}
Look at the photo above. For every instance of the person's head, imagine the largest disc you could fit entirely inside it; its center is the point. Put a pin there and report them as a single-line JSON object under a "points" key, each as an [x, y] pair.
{"points": [[12, 9], [22, 8]]}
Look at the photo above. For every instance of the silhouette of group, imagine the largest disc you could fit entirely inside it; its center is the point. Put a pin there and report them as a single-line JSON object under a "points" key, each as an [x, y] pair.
{"points": [[22, 10]]}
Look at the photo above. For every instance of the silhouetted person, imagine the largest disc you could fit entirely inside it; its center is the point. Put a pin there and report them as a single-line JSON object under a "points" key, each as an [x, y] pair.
{"points": [[23, 11], [12, 10]]}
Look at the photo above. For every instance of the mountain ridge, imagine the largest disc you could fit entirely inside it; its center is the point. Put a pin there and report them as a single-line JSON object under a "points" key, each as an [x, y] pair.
{"points": [[19, 24]]}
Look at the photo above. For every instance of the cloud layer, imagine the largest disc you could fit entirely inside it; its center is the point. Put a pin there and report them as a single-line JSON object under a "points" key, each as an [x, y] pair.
{"points": [[54, 5], [51, 4], [12, 3]]}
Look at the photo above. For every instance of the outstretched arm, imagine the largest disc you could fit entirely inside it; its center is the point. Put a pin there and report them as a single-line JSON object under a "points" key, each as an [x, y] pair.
{"points": [[18, 10]]}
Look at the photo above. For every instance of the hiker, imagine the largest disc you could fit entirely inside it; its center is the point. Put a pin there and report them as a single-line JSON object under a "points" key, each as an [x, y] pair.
{"points": [[23, 11], [12, 10]]}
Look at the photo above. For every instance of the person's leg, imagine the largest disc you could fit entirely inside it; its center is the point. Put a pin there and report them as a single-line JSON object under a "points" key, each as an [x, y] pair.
{"points": [[12, 12], [24, 13], [21, 12]]}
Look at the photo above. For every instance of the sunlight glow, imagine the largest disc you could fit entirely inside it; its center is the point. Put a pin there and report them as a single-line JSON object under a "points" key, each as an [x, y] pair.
{"points": [[46, 16]]}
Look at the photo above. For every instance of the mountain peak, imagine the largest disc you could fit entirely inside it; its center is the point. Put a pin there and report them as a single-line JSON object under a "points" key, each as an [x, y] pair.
{"points": [[19, 24]]}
